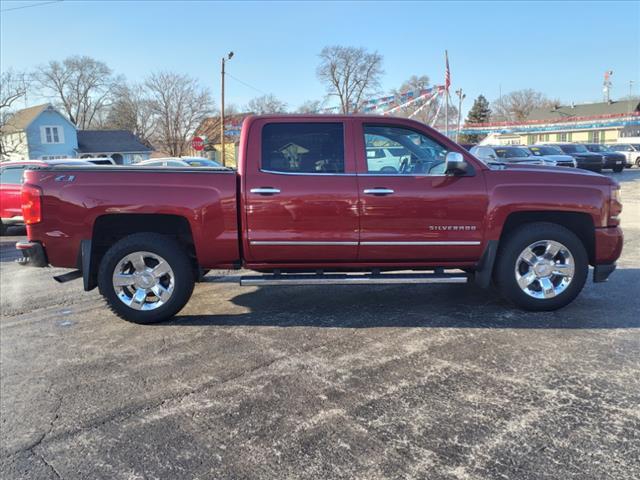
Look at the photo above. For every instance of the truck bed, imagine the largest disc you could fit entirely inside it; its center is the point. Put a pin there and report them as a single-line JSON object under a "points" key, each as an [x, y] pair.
{"points": [[76, 199]]}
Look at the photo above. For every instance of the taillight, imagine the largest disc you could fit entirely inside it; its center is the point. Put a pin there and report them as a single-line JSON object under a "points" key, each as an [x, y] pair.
{"points": [[615, 206], [31, 204]]}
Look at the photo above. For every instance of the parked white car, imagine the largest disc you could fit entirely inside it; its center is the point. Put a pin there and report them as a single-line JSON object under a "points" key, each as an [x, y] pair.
{"points": [[95, 160], [508, 154], [179, 162], [631, 151], [553, 155], [386, 159]]}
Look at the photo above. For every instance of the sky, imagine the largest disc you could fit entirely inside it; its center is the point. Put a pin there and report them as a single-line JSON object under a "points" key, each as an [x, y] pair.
{"points": [[559, 48]]}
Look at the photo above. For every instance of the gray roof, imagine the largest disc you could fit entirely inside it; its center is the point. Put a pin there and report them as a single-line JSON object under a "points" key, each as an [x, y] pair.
{"points": [[20, 120], [107, 141], [585, 110]]}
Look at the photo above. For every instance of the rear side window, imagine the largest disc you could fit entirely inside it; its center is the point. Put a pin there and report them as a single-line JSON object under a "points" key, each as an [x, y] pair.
{"points": [[303, 147], [11, 176]]}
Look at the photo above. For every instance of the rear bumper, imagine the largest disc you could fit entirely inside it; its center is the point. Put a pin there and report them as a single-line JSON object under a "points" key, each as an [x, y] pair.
{"points": [[33, 254], [17, 220]]}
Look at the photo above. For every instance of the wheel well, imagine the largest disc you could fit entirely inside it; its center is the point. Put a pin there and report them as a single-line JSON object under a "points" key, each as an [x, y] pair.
{"points": [[580, 224], [108, 229]]}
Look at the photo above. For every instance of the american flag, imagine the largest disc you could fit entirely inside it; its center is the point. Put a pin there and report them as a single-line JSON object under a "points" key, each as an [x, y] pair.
{"points": [[447, 73]]}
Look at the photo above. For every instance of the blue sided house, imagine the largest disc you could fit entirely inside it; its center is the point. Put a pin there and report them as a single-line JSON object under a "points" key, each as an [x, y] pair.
{"points": [[43, 133]]}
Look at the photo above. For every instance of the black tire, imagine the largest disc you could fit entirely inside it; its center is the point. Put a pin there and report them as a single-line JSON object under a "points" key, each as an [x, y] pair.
{"points": [[520, 239], [167, 248], [3, 228], [618, 169]]}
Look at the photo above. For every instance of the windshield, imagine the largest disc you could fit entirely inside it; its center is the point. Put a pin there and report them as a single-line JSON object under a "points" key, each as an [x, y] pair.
{"points": [[598, 148], [512, 152], [574, 149], [546, 150]]}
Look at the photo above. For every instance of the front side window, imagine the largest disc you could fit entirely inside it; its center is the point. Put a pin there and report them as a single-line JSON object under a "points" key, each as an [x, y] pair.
{"points": [[11, 176], [406, 152], [306, 148]]}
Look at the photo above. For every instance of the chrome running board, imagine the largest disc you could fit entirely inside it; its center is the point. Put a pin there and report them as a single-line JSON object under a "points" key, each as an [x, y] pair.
{"points": [[351, 279]]}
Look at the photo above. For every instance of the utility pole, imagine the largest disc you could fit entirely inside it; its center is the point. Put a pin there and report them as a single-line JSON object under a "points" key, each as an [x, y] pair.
{"points": [[222, 148], [461, 96], [447, 84]]}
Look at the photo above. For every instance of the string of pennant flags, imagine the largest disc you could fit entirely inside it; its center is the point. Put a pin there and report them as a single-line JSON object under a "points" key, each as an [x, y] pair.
{"points": [[392, 103]]}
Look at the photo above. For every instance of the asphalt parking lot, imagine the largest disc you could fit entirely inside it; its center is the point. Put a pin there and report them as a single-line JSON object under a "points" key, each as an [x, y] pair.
{"points": [[437, 382]]}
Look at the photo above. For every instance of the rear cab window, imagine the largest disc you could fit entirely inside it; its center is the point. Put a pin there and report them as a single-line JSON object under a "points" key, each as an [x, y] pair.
{"points": [[303, 148]]}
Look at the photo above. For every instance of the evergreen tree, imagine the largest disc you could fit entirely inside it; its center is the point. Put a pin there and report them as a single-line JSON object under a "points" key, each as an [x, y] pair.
{"points": [[479, 113]]}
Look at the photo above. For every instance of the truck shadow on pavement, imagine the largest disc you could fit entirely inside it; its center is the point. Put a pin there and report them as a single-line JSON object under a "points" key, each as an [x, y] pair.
{"points": [[602, 306]]}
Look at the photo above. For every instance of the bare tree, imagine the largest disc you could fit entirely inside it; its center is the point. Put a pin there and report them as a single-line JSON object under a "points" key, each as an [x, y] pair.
{"points": [[350, 74], [82, 86], [179, 105], [131, 110], [266, 104], [13, 87], [516, 106], [310, 106]]}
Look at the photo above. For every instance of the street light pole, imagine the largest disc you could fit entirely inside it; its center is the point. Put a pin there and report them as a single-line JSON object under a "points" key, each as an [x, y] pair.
{"points": [[461, 96], [222, 148]]}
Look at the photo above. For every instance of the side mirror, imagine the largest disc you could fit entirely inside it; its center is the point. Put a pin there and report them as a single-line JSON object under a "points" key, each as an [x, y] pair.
{"points": [[454, 163]]}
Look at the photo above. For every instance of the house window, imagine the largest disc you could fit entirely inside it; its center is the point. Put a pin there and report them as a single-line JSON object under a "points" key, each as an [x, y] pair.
{"points": [[51, 134], [531, 139], [595, 136], [562, 137]]}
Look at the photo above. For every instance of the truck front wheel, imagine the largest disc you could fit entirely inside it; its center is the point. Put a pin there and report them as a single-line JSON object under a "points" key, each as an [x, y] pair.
{"points": [[541, 266], [146, 278]]}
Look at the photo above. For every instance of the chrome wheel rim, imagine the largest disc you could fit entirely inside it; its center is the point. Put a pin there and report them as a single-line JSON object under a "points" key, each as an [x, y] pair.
{"points": [[143, 281], [544, 269]]}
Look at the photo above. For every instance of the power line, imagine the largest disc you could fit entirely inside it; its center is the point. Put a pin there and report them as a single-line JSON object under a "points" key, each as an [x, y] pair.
{"points": [[29, 6], [245, 84]]}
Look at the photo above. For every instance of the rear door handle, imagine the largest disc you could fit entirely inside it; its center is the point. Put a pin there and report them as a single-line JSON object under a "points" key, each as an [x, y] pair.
{"points": [[265, 191], [378, 191]]}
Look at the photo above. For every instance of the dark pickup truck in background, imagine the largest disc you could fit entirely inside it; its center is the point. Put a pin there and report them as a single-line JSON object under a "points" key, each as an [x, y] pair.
{"points": [[308, 205]]}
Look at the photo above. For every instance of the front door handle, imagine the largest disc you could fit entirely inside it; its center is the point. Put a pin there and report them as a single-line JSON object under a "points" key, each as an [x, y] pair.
{"points": [[265, 191], [378, 191]]}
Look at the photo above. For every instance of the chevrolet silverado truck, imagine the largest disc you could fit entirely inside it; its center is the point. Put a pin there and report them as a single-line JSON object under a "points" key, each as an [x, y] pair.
{"points": [[309, 205]]}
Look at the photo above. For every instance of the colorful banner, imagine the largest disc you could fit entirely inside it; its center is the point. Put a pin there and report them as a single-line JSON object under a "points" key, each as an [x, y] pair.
{"points": [[531, 128], [394, 101]]}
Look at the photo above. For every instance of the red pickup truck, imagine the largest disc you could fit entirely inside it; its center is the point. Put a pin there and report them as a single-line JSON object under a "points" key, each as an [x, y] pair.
{"points": [[311, 204]]}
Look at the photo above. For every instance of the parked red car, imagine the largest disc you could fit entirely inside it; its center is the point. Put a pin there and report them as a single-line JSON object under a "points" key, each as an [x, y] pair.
{"points": [[306, 206], [11, 183]]}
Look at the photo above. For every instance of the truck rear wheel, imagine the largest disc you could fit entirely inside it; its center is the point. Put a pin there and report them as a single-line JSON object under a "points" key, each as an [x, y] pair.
{"points": [[146, 278], [541, 266]]}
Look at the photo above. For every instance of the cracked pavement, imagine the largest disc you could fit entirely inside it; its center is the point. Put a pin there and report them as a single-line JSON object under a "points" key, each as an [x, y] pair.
{"points": [[439, 382]]}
